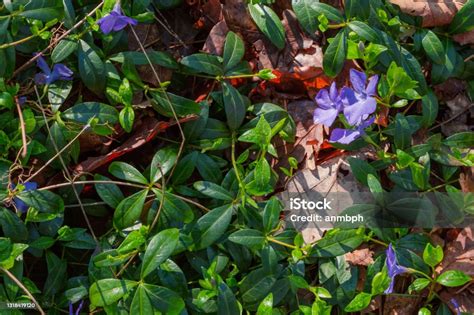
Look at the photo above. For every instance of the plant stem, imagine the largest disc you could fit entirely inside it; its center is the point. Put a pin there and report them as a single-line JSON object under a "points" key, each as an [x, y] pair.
{"points": [[377, 241], [27, 292], [271, 239], [234, 165], [23, 40]]}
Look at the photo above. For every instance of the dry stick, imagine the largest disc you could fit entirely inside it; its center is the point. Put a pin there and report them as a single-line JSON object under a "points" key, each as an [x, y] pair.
{"points": [[84, 182], [27, 292], [29, 62], [22, 127], [58, 152], [68, 174], [452, 118]]}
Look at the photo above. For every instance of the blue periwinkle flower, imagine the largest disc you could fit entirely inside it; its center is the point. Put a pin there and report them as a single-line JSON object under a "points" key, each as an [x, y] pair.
{"points": [[48, 76], [78, 310], [115, 20], [394, 269]]}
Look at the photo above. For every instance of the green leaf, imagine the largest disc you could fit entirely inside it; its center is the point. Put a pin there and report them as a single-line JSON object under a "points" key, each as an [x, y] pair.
{"points": [[464, 19], [262, 175], [129, 210], [126, 118], [158, 250], [248, 237], [208, 168], [335, 54], [42, 200], [211, 226], [361, 169], [460, 140], [418, 285], [308, 11], [360, 302], [132, 242], [42, 14], [443, 310], [337, 243], [84, 112], [357, 9], [403, 132], [185, 168], [364, 31], [430, 107], [127, 172], [166, 103], [256, 286], [266, 306], [5, 248], [453, 278], [261, 134], [57, 274], [212, 190], [108, 291], [269, 23], [12, 226], [109, 193], [234, 50], [380, 283], [58, 92], [226, 301], [433, 47], [235, 106], [153, 299], [91, 68], [424, 311], [63, 50], [271, 214], [433, 255], [163, 161], [138, 58], [204, 63]]}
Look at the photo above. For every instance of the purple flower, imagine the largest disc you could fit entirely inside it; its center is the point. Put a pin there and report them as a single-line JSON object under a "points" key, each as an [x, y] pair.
{"points": [[115, 21], [60, 72], [394, 269], [456, 306], [71, 310], [19, 204], [359, 102], [330, 105], [346, 136]]}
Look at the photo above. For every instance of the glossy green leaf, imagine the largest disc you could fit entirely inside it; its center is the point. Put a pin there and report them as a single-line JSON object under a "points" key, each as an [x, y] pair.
{"points": [[464, 19], [127, 172], [364, 31], [248, 237], [433, 255], [360, 301], [63, 50], [453, 278], [433, 47], [91, 68], [269, 23], [335, 54], [211, 226], [226, 301], [204, 63], [163, 161], [212, 190], [158, 250], [84, 112], [234, 50], [110, 193], [107, 291], [234, 104], [129, 210]]}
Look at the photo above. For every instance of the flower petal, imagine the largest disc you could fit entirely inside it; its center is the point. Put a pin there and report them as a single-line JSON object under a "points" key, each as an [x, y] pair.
{"points": [[358, 79], [325, 116], [348, 96], [323, 99], [372, 86], [120, 23], [359, 111], [41, 63], [333, 92], [344, 136], [62, 72], [107, 23], [41, 78]]}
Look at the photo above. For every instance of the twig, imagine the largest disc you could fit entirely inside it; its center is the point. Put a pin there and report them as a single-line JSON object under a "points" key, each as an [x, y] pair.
{"points": [[29, 62], [22, 127], [85, 182], [58, 152], [452, 118], [27, 292], [471, 57]]}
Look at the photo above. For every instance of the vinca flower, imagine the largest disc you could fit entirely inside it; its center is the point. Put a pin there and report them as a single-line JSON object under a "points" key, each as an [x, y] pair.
{"points": [[394, 269], [330, 105], [59, 72], [456, 306], [359, 101], [78, 310], [346, 136], [115, 20], [19, 204], [357, 104]]}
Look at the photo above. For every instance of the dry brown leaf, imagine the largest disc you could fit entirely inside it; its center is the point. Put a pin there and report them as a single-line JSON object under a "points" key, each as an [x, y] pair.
{"points": [[360, 257], [466, 180], [400, 305], [457, 117], [434, 12], [215, 41], [464, 299], [459, 254]]}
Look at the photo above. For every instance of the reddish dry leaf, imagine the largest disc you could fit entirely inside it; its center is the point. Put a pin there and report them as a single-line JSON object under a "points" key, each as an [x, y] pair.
{"points": [[215, 41], [459, 254], [148, 130], [466, 180]]}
